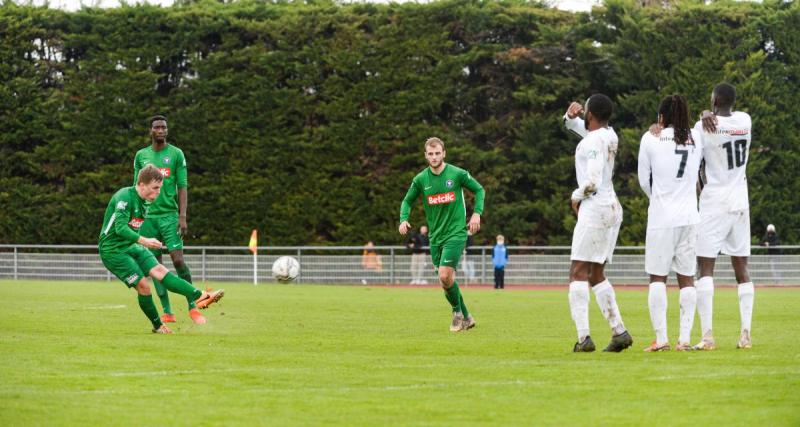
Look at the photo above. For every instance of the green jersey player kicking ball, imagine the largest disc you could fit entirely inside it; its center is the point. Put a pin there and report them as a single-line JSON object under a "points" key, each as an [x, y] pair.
{"points": [[125, 254], [166, 216], [441, 186]]}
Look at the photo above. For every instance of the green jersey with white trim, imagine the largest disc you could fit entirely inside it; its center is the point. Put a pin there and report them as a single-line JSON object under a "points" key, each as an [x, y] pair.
{"points": [[124, 215], [443, 199], [172, 164]]}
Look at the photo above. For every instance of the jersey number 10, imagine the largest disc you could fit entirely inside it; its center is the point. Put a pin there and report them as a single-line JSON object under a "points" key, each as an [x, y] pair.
{"points": [[737, 150]]}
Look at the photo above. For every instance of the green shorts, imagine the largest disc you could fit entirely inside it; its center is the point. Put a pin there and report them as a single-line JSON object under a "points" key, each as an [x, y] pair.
{"points": [[448, 253], [131, 265], [163, 228]]}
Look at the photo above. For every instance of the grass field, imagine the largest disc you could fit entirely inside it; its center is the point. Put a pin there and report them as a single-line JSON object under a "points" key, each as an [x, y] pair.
{"points": [[82, 354]]}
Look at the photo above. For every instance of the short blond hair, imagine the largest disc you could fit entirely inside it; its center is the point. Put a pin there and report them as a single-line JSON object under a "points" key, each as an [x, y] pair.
{"points": [[149, 174], [434, 141]]}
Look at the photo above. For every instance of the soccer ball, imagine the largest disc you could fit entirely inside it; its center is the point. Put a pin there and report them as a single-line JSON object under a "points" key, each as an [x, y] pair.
{"points": [[285, 269]]}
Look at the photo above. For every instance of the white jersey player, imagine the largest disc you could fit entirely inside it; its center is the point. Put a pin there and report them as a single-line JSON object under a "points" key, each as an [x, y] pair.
{"points": [[724, 209], [669, 165], [599, 218]]}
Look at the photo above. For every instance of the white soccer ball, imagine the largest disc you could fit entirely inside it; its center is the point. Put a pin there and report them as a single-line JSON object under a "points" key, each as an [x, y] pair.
{"points": [[285, 269]]}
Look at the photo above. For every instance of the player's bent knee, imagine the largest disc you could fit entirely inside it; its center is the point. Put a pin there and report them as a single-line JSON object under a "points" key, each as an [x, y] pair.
{"points": [[597, 274], [177, 259], [142, 287], [579, 271], [158, 272], [446, 278]]}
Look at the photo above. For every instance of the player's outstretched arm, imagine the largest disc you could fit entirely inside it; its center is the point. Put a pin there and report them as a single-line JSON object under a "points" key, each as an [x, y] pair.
{"points": [[122, 215], [701, 177], [136, 169], [182, 178], [594, 170], [645, 169], [474, 224], [709, 120], [655, 129], [471, 184], [573, 122], [149, 242], [405, 207], [183, 201]]}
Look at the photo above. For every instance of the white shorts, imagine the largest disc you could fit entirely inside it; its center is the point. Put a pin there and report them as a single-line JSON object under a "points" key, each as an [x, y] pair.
{"points": [[727, 232], [595, 234], [671, 249]]}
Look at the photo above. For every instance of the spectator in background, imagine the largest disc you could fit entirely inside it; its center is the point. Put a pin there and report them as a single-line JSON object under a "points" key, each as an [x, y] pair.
{"points": [[500, 259], [370, 260], [417, 244], [467, 263], [771, 242]]}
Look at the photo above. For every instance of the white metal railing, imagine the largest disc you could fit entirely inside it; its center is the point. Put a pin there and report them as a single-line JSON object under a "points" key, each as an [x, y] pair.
{"points": [[343, 264]]}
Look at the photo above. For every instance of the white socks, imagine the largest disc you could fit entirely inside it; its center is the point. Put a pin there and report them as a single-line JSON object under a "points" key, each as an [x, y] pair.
{"points": [[705, 302], [607, 300], [746, 295], [657, 300], [579, 307], [688, 302]]}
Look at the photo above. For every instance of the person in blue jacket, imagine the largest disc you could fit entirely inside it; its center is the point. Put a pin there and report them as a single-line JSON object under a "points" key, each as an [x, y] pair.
{"points": [[500, 259]]}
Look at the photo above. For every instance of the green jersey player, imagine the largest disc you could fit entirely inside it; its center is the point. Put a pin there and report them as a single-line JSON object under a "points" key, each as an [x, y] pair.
{"points": [[123, 252], [441, 186], [166, 216]]}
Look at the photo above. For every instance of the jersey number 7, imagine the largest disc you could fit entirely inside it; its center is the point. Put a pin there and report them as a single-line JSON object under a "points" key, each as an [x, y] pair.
{"points": [[684, 155]]}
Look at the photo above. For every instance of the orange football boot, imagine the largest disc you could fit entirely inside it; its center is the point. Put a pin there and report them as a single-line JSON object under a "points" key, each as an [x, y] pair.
{"points": [[197, 318], [209, 298]]}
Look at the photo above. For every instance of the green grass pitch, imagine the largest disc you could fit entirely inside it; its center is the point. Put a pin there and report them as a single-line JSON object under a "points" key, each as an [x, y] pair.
{"points": [[82, 354]]}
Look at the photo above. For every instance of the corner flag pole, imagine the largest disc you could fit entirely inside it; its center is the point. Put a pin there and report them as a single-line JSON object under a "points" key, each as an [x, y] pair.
{"points": [[254, 249]]}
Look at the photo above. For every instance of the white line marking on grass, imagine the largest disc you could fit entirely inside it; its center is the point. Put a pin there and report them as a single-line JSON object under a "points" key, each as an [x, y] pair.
{"points": [[106, 307], [145, 374], [418, 386], [726, 375]]}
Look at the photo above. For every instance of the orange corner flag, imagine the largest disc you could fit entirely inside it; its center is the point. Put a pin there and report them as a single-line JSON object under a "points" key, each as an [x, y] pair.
{"points": [[254, 242]]}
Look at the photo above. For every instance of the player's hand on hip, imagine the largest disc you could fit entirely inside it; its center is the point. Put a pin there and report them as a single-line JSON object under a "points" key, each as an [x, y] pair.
{"points": [[574, 110], [183, 227], [576, 206], [475, 223], [709, 120], [149, 242], [404, 227]]}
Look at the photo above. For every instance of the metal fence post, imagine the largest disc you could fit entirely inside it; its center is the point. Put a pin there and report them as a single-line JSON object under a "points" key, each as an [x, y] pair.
{"points": [[391, 270], [203, 265], [299, 257], [16, 274], [483, 265]]}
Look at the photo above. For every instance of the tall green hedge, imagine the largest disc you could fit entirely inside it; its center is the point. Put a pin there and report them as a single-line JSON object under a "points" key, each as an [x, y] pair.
{"points": [[306, 120]]}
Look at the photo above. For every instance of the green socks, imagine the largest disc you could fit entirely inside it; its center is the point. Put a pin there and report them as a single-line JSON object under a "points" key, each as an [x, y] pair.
{"points": [[455, 299], [180, 286], [186, 275], [463, 306], [149, 310], [163, 296]]}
